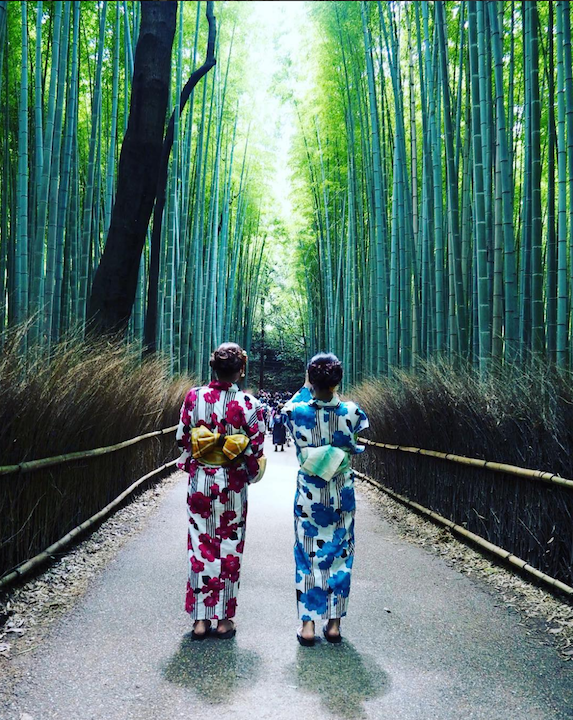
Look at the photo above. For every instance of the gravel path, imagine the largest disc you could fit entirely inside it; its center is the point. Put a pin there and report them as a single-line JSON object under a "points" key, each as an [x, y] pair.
{"points": [[103, 634]]}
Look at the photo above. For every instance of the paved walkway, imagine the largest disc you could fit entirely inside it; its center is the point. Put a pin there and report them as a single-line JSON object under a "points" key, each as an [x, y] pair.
{"points": [[447, 650]]}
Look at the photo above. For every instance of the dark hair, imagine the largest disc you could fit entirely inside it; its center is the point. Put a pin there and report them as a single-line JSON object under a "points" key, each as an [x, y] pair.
{"points": [[228, 359], [324, 371]]}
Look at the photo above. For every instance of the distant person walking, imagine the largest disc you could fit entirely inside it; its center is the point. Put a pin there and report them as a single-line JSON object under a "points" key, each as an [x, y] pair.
{"points": [[279, 429], [324, 429], [221, 433]]}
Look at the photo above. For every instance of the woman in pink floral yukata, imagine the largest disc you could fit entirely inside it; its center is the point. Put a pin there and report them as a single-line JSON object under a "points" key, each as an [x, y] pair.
{"points": [[221, 433]]}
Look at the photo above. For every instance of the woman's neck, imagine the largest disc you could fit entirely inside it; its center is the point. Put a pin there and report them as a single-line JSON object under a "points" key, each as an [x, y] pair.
{"points": [[324, 395]]}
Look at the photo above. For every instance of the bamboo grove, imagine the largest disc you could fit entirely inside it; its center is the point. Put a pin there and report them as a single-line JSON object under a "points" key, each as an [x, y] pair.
{"points": [[66, 72], [436, 153]]}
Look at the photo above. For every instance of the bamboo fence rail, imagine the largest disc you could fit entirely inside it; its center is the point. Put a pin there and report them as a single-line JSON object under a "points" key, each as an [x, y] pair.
{"points": [[473, 537], [31, 465], [546, 477], [48, 553]]}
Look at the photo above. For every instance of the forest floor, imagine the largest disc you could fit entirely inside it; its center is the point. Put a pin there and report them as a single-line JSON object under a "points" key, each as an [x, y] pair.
{"points": [[434, 630]]}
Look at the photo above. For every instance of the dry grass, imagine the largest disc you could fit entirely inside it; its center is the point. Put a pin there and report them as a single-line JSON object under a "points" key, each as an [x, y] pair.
{"points": [[522, 417], [88, 395]]}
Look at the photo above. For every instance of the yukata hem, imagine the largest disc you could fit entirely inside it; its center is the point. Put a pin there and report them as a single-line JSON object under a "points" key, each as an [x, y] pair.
{"points": [[304, 614]]}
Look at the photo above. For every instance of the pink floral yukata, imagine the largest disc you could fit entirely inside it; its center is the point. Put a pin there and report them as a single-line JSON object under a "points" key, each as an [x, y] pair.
{"points": [[217, 497]]}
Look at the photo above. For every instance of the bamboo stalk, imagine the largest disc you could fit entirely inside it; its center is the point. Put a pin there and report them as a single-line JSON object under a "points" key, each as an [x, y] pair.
{"points": [[50, 551], [476, 462], [59, 459], [472, 537]]}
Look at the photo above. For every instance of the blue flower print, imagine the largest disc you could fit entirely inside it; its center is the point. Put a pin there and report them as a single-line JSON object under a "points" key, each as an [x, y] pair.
{"points": [[334, 547], [297, 577], [362, 423], [314, 480], [341, 439], [305, 416], [349, 562], [309, 529], [303, 395], [341, 409], [315, 599], [325, 417], [322, 515], [340, 583], [306, 618], [301, 559], [347, 501]]}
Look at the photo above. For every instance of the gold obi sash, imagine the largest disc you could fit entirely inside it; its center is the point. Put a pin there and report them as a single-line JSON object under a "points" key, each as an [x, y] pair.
{"points": [[206, 446]]}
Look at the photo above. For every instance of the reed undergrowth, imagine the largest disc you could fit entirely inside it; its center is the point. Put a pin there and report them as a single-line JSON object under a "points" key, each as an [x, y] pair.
{"points": [[519, 416], [87, 395]]}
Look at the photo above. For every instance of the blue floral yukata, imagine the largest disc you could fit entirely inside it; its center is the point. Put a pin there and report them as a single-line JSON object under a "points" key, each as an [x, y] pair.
{"points": [[324, 510]]}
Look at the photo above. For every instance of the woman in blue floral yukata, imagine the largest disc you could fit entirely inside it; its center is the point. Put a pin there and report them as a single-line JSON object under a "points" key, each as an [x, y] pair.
{"points": [[221, 434], [324, 430]]}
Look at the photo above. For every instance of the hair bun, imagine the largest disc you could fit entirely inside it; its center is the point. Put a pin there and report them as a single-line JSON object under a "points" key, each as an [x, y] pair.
{"points": [[228, 359], [324, 371]]}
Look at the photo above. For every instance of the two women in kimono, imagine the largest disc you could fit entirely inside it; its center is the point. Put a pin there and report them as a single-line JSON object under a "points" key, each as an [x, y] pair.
{"points": [[221, 433]]}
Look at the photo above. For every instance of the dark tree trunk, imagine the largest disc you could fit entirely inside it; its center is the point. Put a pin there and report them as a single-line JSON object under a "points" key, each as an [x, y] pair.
{"points": [[150, 329], [115, 282]]}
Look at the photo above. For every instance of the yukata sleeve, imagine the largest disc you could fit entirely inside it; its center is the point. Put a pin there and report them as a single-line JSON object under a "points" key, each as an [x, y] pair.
{"points": [[302, 396], [255, 429], [359, 419], [183, 434]]}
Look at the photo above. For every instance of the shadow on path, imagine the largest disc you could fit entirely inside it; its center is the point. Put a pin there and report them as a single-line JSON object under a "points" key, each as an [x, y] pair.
{"points": [[340, 675], [214, 669]]}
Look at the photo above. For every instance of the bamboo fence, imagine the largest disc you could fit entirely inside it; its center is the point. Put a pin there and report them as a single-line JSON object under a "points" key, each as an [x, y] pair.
{"points": [[481, 542], [59, 459], [39, 505], [48, 554], [529, 512], [504, 468]]}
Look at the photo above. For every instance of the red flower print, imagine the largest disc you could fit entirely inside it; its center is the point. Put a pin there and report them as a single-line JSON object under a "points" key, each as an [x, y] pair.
{"points": [[212, 396], [191, 400], [196, 565], [210, 547], [190, 599], [227, 531], [189, 542], [224, 496], [210, 471], [211, 600], [200, 504], [252, 465], [241, 547], [230, 567], [214, 489], [235, 415], [227, 516], [231, 608], [217, 424], [213, 585], [248, 402], [237, 479], [220, 384]]}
